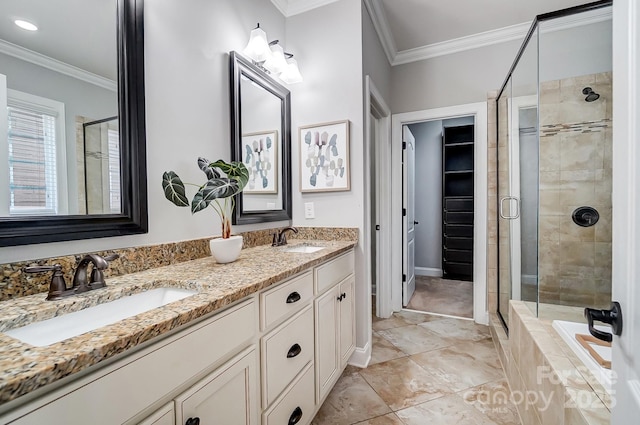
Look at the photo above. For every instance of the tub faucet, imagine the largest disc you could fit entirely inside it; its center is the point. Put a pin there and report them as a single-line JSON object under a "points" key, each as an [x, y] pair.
{"points": [[280, 239]]}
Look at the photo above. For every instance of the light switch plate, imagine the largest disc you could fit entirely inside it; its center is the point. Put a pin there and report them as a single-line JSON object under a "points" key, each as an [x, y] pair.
{"points": [[309, 210]]}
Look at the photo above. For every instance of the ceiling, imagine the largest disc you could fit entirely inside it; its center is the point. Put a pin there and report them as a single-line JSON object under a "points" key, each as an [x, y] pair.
{"points": [[412, 30], [80, 33]]}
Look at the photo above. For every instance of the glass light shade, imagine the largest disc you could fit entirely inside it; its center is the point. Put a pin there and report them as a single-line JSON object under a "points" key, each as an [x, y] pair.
{"points": [[258, 47], [291, 75], [276, 63]]}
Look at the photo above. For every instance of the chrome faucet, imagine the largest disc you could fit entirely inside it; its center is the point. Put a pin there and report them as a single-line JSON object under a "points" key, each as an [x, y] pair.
{"points": [[280, 238], [58, 287]]}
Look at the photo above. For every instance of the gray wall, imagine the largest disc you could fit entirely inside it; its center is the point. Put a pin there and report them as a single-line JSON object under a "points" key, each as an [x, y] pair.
{"points": [[328, 44], [449, 80], [187, 101], [466, 77]]}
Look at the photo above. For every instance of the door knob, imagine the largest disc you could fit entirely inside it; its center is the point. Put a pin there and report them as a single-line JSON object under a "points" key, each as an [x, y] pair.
{"points": [[612, 317]]}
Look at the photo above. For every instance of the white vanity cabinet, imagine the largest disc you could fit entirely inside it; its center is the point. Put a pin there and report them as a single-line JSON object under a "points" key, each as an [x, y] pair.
{"points": [[271, 359], [335, 321]]}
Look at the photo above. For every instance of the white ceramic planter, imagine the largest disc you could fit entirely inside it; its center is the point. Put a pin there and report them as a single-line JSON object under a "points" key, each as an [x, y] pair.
{"points": [[226, 250]]}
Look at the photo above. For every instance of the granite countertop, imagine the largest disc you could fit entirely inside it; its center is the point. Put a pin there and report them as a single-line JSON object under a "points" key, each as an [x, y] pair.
{"points": [[24, 368]]}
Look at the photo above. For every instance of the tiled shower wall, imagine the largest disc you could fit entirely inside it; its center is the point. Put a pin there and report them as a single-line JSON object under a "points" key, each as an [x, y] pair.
{"points": [[575, 170]]}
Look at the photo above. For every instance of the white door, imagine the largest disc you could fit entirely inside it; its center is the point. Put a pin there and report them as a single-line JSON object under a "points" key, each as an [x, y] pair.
{"points": [[626, 206], [409, 203]]}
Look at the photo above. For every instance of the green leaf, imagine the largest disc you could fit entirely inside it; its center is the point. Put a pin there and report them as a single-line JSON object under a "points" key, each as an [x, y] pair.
{"points": [[206, 167], [235, 171], [174, 189], [221, 187]]}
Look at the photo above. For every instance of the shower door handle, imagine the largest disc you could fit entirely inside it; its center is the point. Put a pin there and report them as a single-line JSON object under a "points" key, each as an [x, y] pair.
{"points": [[510, 217]]}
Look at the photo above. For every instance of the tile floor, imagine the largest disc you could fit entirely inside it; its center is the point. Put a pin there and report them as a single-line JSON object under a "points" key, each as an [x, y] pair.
{"points": [[442, 296], [424, 370]]}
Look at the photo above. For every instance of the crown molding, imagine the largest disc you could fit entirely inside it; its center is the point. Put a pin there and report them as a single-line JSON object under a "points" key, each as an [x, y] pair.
{"points": [[56, 65], [474, 41], [381, 24], [295, 7]]}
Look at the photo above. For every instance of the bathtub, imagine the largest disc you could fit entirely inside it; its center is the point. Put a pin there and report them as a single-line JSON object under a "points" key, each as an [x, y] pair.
{"points": [[568, 330]]}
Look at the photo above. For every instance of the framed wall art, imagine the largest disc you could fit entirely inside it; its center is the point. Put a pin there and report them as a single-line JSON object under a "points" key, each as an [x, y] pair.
{"points": [[260, 156], [324, 157]]}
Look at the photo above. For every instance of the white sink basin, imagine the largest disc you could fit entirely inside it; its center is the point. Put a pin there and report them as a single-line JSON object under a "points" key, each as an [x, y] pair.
{"points": [[305, 249], [73, 324]]}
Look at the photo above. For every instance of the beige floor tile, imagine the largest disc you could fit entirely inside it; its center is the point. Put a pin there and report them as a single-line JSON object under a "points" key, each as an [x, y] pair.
{"points": [[415, 339], [459, 330], [443, 296], [390, 419], [382, 350], [447, 410], [394, 321], [351, 400], [402, 383], [463, 365], [493, 400], [416, 318]]}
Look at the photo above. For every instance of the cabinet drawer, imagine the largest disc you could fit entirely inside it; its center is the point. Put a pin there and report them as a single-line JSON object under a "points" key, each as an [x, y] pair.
{"points": [[457, 204], [297, 402], [457, 270], [285, 299], [458, 256], [285, 352], [334, 272], [458, 243], [452, 230], [458, 217]]}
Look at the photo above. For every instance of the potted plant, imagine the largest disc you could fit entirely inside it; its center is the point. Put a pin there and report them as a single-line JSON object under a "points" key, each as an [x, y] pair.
{"points": [[224, 181]]}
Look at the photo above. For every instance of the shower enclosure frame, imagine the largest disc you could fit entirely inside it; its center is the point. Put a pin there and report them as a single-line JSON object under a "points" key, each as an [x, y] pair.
{"points": [[533, 29]]}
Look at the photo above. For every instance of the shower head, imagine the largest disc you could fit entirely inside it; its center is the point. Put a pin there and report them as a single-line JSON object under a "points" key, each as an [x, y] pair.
{"points": [[591, 95]]}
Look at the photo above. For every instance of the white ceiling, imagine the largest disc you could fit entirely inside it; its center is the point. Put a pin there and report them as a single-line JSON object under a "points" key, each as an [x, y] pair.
{"points": [[412, 30], [81, 33]]}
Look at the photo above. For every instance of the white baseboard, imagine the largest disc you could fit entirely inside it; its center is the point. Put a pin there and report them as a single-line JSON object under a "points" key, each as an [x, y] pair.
{"points": [[428, 271], [361, 356], [529, 279]]}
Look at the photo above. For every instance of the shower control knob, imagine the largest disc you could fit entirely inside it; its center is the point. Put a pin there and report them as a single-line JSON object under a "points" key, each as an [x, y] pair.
{"points": [[585, 216]]}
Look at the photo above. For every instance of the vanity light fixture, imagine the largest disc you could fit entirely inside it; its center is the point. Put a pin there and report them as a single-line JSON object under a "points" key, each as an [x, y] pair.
{"points": [[25, 25], [271, 57]]}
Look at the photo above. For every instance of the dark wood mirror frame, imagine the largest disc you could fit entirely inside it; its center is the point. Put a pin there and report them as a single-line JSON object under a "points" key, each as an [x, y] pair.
{"points": [[239, 66], [131, 112]]}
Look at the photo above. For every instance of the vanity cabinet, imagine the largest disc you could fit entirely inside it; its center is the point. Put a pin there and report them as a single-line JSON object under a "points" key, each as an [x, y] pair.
{"points": [[271, 358], [335, 321]]}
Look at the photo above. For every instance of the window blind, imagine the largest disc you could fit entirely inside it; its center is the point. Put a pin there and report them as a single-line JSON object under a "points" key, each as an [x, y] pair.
{"points": [[32, 162], [114, 171]]}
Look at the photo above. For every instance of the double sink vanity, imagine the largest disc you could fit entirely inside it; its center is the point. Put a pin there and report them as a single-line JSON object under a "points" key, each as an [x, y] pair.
{"points": [[261, 340]]}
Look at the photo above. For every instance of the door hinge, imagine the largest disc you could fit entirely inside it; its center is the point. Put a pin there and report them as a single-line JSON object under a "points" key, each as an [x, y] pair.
{"points": [[404, 145], [377, 227], [404, 277], [404, 212]]}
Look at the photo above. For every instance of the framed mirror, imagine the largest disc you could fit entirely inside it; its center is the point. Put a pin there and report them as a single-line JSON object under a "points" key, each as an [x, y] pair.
{"points": [[72, 142], [261, 139]]}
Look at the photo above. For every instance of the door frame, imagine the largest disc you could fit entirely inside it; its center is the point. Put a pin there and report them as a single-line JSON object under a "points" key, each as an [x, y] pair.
{"points": [[626, 183], [375, 105], [479, 111]]}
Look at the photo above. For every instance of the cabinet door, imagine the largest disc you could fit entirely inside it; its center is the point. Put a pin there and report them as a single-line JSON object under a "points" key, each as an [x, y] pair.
{"points": [[327, 316], [228, 396], [347, 333]]}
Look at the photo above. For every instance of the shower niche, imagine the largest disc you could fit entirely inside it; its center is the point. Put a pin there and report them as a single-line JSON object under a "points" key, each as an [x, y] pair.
{"points": [[554, 156]]}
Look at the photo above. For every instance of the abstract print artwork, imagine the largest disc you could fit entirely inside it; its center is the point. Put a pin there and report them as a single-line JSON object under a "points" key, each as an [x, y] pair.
{"points": [[260, 156], [324, 157]]}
